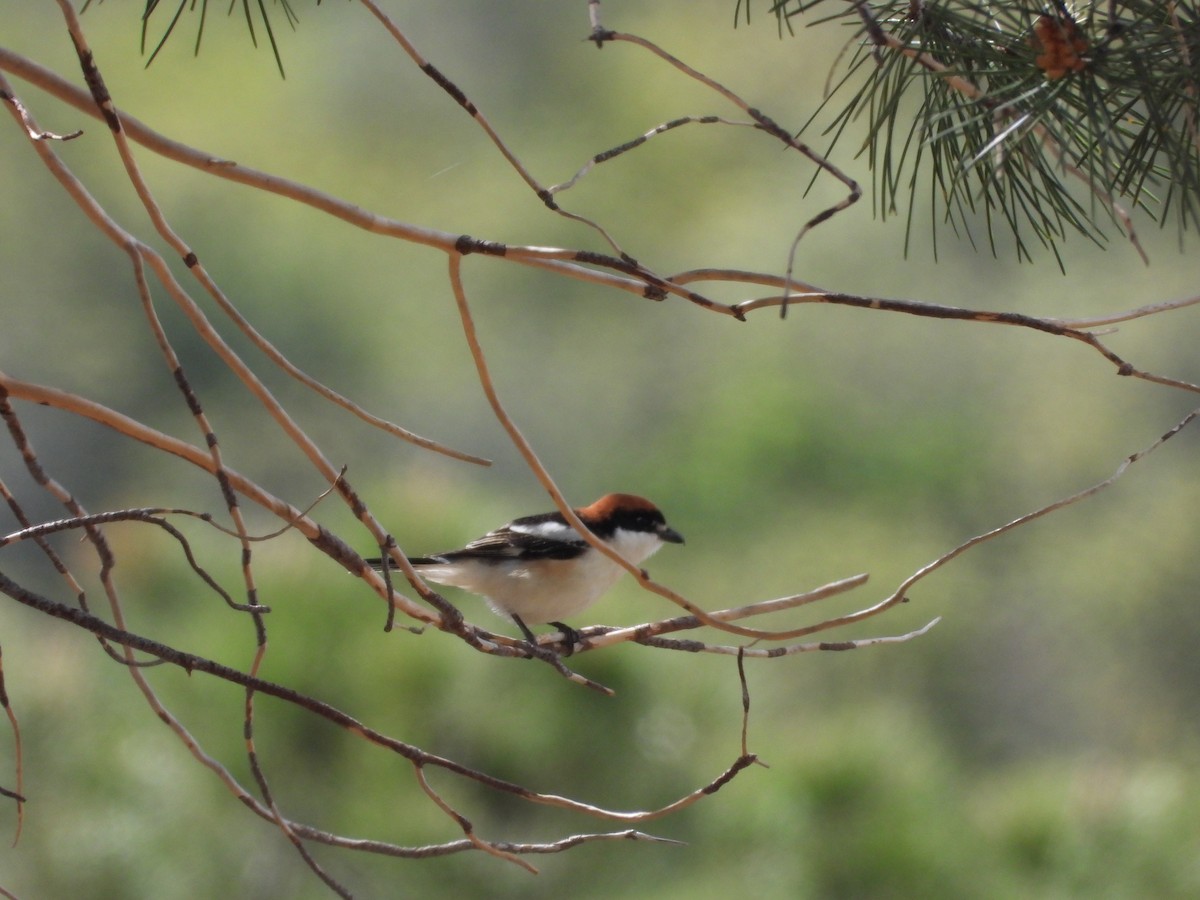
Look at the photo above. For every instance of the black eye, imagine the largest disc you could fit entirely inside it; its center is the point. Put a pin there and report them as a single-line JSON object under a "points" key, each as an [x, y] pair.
{"points": [[649, 521]]}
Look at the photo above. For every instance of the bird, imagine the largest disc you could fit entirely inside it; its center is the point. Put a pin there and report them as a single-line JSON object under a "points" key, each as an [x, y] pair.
{"points": [[538, 569]]}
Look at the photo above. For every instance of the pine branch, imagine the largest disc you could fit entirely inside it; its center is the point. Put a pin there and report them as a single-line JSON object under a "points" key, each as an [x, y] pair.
{"points": [[191, 6], [1044, 119]]}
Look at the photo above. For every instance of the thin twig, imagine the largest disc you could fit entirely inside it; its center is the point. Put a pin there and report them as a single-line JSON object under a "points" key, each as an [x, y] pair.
{"points": [[767, 124], [31, 128], [464, 823], [18, 765], [323, 539], [150, 516], [192, 663], [544, 194]]}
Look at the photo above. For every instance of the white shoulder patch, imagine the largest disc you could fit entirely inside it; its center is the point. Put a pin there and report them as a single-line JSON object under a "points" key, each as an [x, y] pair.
{"points": [[555, 531]]}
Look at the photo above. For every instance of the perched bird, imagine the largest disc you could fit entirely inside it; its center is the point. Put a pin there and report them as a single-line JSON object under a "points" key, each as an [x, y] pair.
{"points": [[539, 569]]}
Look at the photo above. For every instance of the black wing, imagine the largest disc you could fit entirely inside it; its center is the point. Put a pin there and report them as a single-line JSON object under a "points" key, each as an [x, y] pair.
{"points": [[545, 536], [515, 542]]}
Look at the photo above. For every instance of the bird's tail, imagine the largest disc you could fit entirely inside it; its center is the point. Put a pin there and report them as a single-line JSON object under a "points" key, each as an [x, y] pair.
{"points": [[376, 563]]}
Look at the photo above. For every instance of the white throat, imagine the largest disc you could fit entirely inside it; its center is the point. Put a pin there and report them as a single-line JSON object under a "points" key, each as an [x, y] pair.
{"points": [[635, 546]]}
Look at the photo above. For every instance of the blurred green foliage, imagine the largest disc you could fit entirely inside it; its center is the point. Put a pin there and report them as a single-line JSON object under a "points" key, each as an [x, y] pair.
{"points": [[1042, 741]]}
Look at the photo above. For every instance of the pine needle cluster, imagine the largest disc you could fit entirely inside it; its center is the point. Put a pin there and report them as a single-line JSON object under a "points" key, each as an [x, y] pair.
{"points": [[1038, 118]]}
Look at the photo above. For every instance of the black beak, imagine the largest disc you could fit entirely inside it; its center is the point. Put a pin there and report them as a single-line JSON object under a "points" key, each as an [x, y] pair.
{"points": [[670, 534]]}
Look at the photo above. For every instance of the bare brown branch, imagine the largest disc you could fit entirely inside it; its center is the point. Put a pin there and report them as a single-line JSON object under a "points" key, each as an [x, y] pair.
{"points": [[150, 274]]}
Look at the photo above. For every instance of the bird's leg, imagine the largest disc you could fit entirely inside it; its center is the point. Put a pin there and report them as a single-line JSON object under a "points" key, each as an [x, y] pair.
{"points": [[525, 631], [571, 637]]}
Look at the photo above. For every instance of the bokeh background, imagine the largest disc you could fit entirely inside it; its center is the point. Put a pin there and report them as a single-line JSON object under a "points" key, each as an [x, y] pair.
{"points": [[1041, 741]]}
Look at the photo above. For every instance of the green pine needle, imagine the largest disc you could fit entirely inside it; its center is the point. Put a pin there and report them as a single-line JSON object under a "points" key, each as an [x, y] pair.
{"points": [[1077, 108]]}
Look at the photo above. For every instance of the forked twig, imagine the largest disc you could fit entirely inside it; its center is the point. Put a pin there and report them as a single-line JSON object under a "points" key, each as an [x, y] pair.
{"points": [[193, 663], [649, 633], [31, 128], [149, 516], [321, 538], [546, 195], [464, 823]]}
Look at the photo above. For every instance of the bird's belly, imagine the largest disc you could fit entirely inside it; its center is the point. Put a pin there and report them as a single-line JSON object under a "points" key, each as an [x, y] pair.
{"points": [[558, 590]]}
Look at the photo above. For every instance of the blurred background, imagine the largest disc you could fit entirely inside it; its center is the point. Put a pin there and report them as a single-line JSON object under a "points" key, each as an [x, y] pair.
{"points": [[1041, 741]]}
